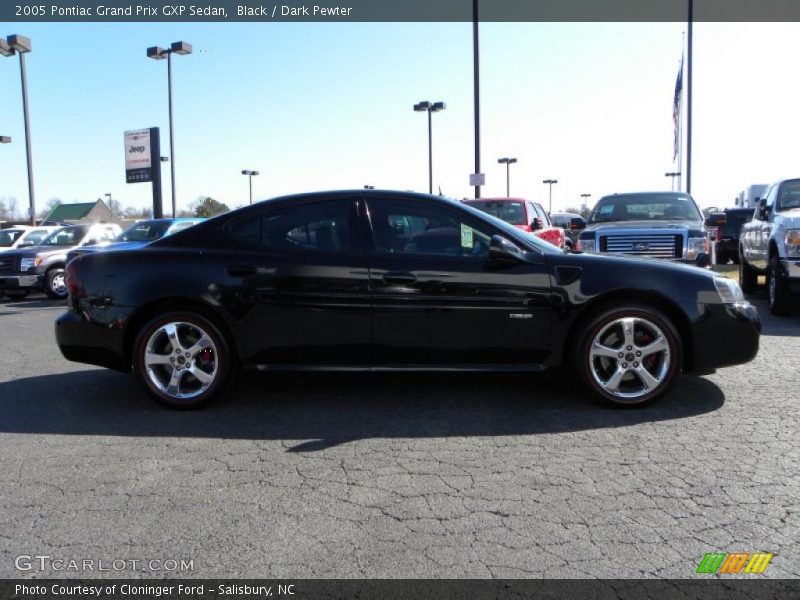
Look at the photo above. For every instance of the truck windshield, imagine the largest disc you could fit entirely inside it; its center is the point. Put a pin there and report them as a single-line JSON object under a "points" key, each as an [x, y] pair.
{"points": [[790, 195], [67, 236], [146, 231], [645, 207], [8, 237], [510, 211]]}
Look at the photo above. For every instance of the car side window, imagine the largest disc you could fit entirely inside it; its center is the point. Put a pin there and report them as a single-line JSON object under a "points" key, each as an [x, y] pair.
{"points": [[424, 229], [316, 227], [542, 215]]}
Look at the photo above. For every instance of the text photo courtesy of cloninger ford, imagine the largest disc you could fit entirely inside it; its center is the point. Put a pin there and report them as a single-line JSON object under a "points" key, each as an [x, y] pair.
{"points": [[440, 299]]}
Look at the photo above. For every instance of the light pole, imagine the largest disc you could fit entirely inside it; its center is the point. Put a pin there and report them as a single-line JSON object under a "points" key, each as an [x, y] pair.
{"points": [[672, 175], [507, 162], [430, 107], [4, 139], [550, 182], [158, 53], [250, 177], [585, 205], [22, 45]]}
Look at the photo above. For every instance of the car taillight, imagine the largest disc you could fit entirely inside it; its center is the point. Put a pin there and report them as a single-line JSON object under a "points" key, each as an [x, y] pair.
{"points": [[72, 279]]}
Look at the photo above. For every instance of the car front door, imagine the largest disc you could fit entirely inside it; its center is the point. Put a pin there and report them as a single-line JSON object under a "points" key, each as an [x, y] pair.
{"points": [[296, 283], [439, 299]]}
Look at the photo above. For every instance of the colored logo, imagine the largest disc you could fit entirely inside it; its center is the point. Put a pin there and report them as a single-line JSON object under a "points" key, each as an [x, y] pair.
{"points": [[734, 562]]}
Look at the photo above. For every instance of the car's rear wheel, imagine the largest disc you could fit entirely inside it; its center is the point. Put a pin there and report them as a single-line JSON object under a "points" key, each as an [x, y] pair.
{"points": [[182, 359], [630, 355], [778, 293], [55, 284], [17, 294], [748, 278]]}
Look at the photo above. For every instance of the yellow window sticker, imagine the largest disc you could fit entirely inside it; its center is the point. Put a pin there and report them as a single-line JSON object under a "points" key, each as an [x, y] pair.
{"points": [[466, 236]]}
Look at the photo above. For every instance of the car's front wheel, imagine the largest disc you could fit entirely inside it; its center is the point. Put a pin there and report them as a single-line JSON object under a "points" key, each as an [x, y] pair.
{"points": [[748, 278], [182, 359], [778, 293], [55, 284], [629, 354]]}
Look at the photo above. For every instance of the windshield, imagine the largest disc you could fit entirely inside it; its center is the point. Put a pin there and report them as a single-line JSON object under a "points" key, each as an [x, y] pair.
{"points": [[68, 236], [146, 231], [790, 195], [37, 235], [8, 237], [645, 207], [509, 211]]}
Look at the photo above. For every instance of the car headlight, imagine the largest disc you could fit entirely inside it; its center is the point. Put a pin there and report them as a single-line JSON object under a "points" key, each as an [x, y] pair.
{"points": [[587, 245], [729, 291], [27, 264], [695, 246], [792, 241]]}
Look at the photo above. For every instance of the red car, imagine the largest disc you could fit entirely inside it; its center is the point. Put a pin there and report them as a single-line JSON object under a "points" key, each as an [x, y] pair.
{"points": [[525, 214]]}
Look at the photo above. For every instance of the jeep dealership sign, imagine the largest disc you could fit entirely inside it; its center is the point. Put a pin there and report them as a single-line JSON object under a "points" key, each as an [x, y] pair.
{"points": [[138, 156]]}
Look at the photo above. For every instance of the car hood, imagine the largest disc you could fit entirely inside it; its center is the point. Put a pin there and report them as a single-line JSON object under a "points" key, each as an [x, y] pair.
{"points": [[34, 251], [792, 218], [108, 246], [616, 225]]}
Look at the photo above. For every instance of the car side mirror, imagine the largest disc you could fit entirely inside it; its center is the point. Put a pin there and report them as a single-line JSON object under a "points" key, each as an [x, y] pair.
{"points": [[576, 223], [536, 224], [502, 249], [763, 209]]}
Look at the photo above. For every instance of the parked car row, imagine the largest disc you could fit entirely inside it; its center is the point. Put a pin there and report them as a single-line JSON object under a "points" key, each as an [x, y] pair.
{"points": [[36, 257]]}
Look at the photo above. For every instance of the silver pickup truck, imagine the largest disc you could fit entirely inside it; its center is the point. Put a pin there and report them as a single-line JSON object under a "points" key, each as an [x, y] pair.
{"points": [[666, 225], [770, 245]]}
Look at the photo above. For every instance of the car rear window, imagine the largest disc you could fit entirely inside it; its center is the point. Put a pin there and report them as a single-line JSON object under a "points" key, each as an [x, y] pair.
{"points": [[510, 211]]}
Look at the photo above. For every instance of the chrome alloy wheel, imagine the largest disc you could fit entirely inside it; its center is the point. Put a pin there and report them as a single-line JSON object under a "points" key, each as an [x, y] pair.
{"points": [[180, 360], [629, 358], [58, 284]]}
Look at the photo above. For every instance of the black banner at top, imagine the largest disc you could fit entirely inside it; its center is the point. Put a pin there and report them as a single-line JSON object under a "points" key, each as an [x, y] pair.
{"points": [[331, 11]]}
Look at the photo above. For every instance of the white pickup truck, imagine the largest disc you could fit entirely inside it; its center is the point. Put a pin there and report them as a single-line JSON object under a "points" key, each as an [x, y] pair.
{"points": [[770, 245]]}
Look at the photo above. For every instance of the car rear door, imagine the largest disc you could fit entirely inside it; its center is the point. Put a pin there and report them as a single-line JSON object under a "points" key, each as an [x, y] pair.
{"points": [[437, 297], [295, 282]]}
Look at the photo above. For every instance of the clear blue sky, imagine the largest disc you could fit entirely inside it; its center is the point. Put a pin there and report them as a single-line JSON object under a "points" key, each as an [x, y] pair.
{"points": [[320, 106]]}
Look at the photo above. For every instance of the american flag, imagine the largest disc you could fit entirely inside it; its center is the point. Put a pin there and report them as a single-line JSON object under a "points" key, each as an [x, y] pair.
{"points": [[676, 110]]}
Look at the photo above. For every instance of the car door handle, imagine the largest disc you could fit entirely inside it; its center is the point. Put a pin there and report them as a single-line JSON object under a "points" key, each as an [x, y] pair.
{"points": [[241, 270], [399, 278]]}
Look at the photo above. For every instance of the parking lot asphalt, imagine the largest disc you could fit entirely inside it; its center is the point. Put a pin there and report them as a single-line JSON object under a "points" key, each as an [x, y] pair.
{"points": [[395, 475]]}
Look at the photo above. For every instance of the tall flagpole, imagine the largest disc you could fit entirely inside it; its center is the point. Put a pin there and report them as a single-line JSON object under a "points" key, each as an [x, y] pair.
{"points": [[679, 168], [689, 104]]}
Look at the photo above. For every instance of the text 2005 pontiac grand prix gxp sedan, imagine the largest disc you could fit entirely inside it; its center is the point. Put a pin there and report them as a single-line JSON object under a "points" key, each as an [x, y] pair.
{"points": [[377, 281]]}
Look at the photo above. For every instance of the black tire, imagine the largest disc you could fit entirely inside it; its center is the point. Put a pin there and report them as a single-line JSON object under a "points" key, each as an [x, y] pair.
{"points": [[153, 376], [748, 278], [650, 325], [17, 294], [779, 296], [55, 285], [722, 257], [735, 259]]}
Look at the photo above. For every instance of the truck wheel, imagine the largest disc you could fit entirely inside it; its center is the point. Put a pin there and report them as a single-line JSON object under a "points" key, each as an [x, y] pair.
{"points": [[629, 354], [16, 294], [778, 294], [748, 278], [722, 257], [735, 259], [55, 284]]}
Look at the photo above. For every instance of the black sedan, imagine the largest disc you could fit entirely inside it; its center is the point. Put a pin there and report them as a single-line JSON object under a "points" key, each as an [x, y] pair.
{"points": [[387, 281]]}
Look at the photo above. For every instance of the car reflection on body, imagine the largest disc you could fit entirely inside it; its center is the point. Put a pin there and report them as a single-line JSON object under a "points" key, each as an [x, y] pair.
{"points": [[373, 280]]}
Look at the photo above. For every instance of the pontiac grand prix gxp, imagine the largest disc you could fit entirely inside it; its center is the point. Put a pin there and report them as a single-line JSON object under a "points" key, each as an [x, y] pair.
{"points": [[386, 281]]}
